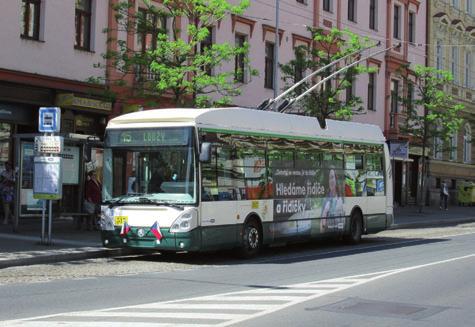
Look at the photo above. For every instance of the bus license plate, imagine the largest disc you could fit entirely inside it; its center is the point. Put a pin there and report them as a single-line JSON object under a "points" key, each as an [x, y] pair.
{"points": [[120, 220]]}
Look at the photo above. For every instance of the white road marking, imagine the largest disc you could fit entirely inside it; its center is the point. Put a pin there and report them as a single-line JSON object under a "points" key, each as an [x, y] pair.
{"points": [[355, 249], [259, 297]]}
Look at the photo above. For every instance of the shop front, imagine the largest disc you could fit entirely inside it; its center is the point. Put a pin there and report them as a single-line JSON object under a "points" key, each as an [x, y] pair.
{"points": [[83, 120]]}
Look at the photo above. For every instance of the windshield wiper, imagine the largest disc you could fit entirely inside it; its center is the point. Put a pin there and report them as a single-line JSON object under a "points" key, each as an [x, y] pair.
{"points": [[119, 201], [160, 203]]}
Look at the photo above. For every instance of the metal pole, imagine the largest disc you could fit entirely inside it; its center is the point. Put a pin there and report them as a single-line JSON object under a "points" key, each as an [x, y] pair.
{"points": [[50, 220], [43, 222], [276, 52]]}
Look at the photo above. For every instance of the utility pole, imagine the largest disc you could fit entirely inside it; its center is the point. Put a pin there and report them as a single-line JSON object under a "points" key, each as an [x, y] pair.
{"points": [[276, 52]]}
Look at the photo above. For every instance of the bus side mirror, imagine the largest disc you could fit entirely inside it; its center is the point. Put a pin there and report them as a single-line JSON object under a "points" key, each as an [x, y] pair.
{"points": [[205, 152]]}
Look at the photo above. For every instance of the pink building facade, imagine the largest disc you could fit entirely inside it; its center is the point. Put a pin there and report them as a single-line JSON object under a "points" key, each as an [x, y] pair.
{"points": [[390, 22]]}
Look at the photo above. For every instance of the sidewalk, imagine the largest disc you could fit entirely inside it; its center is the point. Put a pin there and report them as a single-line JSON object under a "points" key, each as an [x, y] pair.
{"points": [[24, 248], [68, 243]]}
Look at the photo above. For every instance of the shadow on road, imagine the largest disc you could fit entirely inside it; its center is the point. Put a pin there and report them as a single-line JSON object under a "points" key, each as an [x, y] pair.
{"points": [[291, 253]]}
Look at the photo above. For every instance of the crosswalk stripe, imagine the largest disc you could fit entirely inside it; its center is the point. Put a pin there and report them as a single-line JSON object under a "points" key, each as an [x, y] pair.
{"points": [[290, 290], [257, 298], [217, 306], [182, 315], [102, 324]]}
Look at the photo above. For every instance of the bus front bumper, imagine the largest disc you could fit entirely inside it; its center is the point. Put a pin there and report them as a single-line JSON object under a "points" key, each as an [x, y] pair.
{"points": [[190, 241]]}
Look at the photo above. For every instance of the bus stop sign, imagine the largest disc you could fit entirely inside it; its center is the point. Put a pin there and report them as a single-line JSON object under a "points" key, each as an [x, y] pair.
{"points": [[49, 119]]}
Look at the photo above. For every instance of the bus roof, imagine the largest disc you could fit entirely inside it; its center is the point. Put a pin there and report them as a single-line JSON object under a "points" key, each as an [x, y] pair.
{"points": [[252, 121]]}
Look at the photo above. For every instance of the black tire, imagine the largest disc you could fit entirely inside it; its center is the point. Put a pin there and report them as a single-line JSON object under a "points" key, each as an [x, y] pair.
{"points": [[251, 242], [356, 228]]}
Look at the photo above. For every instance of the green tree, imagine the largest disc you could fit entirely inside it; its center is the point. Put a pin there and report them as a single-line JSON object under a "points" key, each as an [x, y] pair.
{"points": [[186, 67], [327, 101], [431, 114]]}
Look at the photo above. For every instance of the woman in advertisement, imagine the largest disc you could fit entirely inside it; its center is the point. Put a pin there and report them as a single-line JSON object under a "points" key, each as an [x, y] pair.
{"points": [[332, 206]]}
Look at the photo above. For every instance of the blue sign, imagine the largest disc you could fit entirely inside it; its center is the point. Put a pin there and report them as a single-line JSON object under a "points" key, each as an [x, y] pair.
{"points": [[399, 149], [49, 120]]}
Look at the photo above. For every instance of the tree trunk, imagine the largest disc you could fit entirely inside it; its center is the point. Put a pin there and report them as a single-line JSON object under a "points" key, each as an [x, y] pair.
{"points": [[422, 198]]}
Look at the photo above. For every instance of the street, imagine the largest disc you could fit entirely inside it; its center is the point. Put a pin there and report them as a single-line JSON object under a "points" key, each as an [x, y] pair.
{"points": [[410, 277]]}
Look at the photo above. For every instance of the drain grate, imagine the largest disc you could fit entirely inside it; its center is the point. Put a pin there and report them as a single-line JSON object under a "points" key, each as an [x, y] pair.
{"points": [[381, 309]]}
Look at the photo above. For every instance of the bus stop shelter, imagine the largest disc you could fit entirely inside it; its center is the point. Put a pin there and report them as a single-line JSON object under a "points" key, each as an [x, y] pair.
{"points": [[78, 150]]}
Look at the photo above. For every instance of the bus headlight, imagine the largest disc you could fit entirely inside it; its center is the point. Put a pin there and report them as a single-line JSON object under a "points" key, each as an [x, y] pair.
{"points": [[185, 222]]}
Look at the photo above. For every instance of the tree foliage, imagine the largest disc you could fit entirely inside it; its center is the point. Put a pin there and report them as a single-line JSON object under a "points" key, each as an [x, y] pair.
{"points": [[431, 114], [327, 101], [177, 63]]}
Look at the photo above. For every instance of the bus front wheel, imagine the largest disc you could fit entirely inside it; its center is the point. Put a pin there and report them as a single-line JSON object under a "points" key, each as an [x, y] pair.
{"points": [[251, 240], [356, 228]]}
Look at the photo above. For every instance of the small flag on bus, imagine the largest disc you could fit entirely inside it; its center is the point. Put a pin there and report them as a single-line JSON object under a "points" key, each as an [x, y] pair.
{"points": [[125, 229], [155, 229]]}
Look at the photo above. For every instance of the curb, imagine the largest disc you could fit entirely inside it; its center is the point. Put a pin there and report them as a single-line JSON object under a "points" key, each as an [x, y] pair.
{"points": [[64, 257], [432, 223]]}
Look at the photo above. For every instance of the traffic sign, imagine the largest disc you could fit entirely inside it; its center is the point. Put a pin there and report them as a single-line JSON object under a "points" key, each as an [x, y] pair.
{"points": [[49, 120]]}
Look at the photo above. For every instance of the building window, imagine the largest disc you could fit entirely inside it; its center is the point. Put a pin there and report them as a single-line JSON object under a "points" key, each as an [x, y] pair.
{"points": [[269, 66], [394, 102], [149, 26], [239, 60], [299, 67], [352, 10], [83, 24], [397, 23], [438, 58], [327, 5], [453, 147], [207, 43], [455, 3], [437, 147], [350, 90], [467, 144], [30, 18], [372, 15], [410, 97], [468, 70], [412, 27], [301, 1], [371, 91], [469, 6], [455, 63]]}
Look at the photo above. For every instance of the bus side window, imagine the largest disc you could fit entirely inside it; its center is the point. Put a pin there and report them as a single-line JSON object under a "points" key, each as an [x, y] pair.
{"points": [[375, 174], [250, 164], [209, 180]]}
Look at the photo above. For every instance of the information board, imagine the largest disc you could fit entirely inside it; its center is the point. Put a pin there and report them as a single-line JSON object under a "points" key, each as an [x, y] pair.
{"points": [[49, 144], [70, 165], [47, 183]]}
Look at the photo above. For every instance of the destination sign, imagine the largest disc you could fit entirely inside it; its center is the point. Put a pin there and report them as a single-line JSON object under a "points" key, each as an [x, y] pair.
{"points": [[148, 137]]}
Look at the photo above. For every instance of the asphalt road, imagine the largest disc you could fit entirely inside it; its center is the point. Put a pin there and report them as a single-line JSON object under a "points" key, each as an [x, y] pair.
{"points": [[420, 277]]}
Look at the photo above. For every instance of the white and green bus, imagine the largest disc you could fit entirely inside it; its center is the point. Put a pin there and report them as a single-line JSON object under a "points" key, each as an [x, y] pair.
{"points": [[207, 179]]}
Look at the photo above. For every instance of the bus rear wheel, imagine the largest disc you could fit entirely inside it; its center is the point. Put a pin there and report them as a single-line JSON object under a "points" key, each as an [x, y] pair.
{"points": [[356, 228], [251, 240]]}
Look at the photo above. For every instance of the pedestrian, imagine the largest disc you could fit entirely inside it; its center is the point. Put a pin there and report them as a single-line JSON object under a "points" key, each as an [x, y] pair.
{"points": [[92, 201], [444, 195], [7, 186]]}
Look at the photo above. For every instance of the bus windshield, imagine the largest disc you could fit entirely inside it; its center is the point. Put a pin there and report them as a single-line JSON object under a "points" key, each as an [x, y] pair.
{"points": [[149, 166]]}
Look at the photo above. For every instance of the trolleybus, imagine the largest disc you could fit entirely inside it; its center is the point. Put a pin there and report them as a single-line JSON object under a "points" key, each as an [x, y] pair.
{"points": [[206, 179]]}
